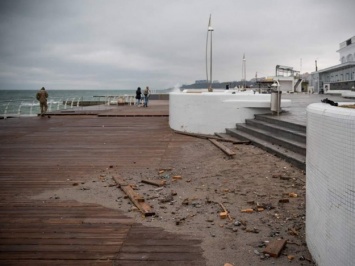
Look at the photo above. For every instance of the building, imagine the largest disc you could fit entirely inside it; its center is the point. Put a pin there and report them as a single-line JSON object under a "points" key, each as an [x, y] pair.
{"points": [[289, 80], [337, 79]]}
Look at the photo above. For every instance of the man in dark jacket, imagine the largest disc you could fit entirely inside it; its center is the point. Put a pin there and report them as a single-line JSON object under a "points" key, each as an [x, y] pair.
{"points": [[42, 96]]}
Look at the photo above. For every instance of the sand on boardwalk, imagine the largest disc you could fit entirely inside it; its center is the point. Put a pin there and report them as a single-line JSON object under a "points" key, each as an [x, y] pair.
{"points": [[252, 179]]}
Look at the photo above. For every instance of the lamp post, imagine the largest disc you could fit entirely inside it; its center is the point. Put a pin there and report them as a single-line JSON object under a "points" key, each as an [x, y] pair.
{"points": [[209, 34], [276, 85]]}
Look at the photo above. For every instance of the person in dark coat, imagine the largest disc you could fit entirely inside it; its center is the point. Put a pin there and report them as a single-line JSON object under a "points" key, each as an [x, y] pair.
{"points": [[138, 96], [42, 96]]}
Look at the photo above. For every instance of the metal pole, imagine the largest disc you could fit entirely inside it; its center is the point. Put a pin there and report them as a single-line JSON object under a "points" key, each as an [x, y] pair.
{"points": [[278, 98], [211, 63], [207, 57]]}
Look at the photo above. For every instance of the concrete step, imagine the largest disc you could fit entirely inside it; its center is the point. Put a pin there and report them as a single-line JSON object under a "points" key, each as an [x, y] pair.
{"points": [[293, 158], [278, 130], [290, 144], [273, 120]]}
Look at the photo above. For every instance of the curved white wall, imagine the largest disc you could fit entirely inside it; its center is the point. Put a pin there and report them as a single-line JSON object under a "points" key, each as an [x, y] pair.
{"points": [[330, 206], [211, 112]]}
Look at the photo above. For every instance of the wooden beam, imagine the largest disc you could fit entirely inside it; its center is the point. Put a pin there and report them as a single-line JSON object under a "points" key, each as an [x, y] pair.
{"points": [[137, 199], [225, 149], [204, 136], [274, 247], [158, 183]]}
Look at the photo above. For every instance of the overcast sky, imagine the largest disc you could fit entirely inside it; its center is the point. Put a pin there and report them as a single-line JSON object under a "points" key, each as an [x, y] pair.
{"points": [[123, 44]]}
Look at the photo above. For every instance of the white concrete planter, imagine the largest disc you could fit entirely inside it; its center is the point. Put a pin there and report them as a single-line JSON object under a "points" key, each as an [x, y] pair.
{"points": [[211, 112], [330, 187]]}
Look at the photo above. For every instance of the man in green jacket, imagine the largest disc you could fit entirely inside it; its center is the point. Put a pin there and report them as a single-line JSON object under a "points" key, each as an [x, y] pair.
{"points": [[42, 96]]}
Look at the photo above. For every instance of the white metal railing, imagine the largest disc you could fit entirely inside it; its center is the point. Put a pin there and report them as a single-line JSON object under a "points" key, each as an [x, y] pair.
{"points": [[31, 107]]}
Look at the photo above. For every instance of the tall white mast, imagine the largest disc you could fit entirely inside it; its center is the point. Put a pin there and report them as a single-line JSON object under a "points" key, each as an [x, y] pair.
{"points": [[244, 71], [209, 36]]}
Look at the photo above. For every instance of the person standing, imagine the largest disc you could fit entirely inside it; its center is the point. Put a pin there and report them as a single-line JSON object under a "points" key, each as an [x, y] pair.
{"points": [[146, 96], [42, 96], [138, 96]]}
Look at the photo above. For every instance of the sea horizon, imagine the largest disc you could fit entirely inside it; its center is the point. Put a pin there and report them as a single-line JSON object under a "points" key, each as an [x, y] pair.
{"points": [[24, 102]]}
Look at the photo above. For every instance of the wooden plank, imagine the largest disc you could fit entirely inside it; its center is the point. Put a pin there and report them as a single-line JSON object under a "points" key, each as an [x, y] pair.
{"points": [[204, 136], [225, 149], [158, 183], [137, 199], [274, 247], [168, 256]]}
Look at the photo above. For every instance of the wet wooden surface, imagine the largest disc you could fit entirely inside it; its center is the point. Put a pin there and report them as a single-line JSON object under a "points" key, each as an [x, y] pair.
{"points": [[39, 154]]}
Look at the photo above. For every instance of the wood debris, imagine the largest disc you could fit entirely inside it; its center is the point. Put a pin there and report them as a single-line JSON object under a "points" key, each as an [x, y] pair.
{"points": [[158, 183], [225, 149], [136, 199], [274, 248], [203, 136]]}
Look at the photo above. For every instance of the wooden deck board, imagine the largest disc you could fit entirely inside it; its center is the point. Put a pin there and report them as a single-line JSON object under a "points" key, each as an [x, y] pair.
{"points": [[40, 154]]}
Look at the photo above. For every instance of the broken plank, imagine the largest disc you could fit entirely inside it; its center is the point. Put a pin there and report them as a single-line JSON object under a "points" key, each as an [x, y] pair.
{"points": [[202, 136], [228, 138], [158, 183], [225, 149], [137, 199], [274, 247]]}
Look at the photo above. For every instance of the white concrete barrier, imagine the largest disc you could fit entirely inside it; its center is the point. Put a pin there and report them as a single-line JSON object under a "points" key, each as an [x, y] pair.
{"points": [[330, 187], [211, 112]]}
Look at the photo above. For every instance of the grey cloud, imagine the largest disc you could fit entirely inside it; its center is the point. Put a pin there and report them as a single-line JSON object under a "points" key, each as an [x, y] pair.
{"points": [[119, 44]]}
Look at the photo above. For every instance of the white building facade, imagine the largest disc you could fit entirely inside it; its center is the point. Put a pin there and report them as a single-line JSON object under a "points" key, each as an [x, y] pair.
{"points": [[339, 78]]}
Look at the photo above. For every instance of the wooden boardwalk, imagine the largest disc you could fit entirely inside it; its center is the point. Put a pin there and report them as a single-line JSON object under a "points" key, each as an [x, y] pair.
{"points": [[39, 154]]}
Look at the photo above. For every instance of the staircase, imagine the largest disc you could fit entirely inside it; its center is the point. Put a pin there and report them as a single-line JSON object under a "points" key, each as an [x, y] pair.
{"points": [[297, 84], [281, 138]]}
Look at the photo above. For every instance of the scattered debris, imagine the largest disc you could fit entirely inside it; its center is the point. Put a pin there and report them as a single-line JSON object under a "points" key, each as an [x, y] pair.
{"points": [[284, 200], [253, 230], [177, 177], [185, 201], [168, 198], [293, 231], [304, 258], [225, 213], [247, 210]]}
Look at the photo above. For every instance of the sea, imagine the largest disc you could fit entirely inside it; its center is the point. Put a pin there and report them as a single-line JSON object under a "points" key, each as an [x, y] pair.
{"points": [[24, 103]]}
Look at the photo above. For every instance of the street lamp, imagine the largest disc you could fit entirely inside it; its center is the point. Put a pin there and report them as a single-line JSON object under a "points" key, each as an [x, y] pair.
{"points": [[209, 33], [276, 85]]}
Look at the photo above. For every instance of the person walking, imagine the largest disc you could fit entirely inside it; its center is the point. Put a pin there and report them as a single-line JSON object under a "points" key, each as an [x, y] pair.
{"points": [[42, 96], [146, 96], [138, 96]]}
